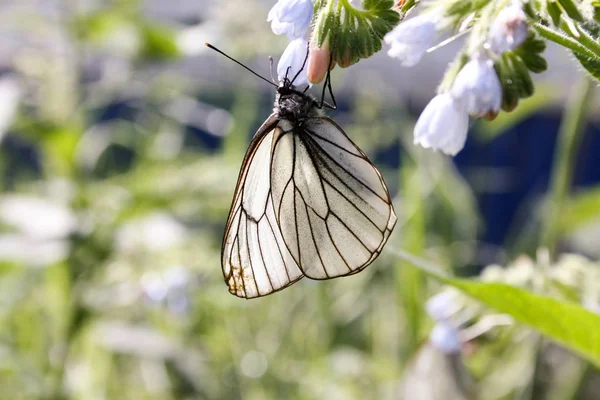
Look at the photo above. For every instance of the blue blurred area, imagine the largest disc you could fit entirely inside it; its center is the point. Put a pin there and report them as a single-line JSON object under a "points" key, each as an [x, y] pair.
{"points": [[525, 153]]}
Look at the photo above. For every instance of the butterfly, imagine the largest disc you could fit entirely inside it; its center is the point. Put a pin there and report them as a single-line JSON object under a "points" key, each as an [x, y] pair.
{"points": [[308, 202]]}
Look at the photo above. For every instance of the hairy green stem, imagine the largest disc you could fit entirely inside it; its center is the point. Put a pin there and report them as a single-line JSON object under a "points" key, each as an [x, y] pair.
{"points": [[569, 139], [562, 39]]}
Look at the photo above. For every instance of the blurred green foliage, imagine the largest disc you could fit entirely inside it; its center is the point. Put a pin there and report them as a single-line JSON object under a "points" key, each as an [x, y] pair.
{"points": [[110, 280]]}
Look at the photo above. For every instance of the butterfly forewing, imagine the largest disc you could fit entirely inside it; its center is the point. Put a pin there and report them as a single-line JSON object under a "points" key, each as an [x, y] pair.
{"points": [[308, 202]]}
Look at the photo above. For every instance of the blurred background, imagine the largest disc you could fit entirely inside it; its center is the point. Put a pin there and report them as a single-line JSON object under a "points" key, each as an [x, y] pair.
{"points": [[121, 140]]}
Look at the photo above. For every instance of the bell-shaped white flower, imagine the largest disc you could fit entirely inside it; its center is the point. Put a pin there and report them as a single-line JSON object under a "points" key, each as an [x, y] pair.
{"points": [[442, 125], [291, 17], [292, 61], [508, 30], [411, 39], [477, 88]]}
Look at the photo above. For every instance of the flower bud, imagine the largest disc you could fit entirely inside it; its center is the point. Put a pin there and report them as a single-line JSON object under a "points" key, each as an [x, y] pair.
{"points": [[346, 60], [530, 52], [510, 104], [509, 30], [318, 62], [509, 81]]}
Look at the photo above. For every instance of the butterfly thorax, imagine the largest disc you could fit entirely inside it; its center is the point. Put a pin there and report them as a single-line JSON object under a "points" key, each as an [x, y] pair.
{"points": [[293, 105]]}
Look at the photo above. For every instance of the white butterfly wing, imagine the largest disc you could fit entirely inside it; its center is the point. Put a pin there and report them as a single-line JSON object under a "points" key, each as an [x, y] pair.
{"points": [[333, 208], [255, 259], [308, 202]]}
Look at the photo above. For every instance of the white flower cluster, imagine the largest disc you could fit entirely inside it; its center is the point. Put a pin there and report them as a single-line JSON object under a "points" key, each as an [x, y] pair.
{"points": [[292, 18], [476, 90]]}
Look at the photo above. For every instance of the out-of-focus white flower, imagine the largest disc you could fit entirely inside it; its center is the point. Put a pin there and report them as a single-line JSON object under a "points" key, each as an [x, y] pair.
{"points": [[411, 39], [477, 88], [41, 230], [171, 288], [509, 30], [446, 338], [293, 58], [591, 304], [35, 252], [442, 125], [291, 17], [254, 364], [155, 232], [10, 93], [442, 306], [36, 217]]}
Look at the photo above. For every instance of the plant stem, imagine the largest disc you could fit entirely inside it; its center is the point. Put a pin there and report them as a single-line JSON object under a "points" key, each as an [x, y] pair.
{"points": [[569, 139], [562, 39]]}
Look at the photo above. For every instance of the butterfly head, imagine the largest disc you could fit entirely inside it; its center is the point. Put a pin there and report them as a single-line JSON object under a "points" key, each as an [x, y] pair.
{"points": [[293, 105]]}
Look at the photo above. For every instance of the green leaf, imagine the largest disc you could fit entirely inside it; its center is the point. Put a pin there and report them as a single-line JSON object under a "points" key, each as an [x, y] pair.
{"points": [[592, 65], [357, 33], [373, 5], [571, 10], [554, 10], [566, 323]]}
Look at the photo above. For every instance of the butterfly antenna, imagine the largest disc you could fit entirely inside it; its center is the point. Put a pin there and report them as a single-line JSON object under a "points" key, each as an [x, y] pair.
{"points": [[210, 46]]}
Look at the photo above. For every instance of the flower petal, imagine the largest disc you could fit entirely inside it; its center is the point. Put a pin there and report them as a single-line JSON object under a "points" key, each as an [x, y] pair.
{"points": [[442, 126], [477, 87], [411, 39], [293, 58], [508, 30], [291, 17]]}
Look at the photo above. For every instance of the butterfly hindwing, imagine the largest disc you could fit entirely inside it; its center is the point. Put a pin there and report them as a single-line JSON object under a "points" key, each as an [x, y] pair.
{"points": [[255, 259], [333, 208]]}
